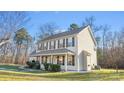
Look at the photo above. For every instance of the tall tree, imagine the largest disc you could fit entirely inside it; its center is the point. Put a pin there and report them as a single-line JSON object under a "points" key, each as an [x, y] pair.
{"points": [[22, 39], [73, 26], [105, 29], [28, 44]]}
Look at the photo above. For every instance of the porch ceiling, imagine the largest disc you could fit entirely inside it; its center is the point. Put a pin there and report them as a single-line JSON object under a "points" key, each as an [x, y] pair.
{"points": [[53, 52], [87, 53]]}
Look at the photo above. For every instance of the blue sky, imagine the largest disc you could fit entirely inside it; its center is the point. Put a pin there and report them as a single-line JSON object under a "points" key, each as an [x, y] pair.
{"points": [[64, 19]]}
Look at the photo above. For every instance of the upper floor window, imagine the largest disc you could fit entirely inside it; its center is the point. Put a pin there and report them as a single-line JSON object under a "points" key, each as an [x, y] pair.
{"points": [[69, 42], [63, 42], [73, 41], [41, 46], [38, 46], [50, 45], [47, 45]]}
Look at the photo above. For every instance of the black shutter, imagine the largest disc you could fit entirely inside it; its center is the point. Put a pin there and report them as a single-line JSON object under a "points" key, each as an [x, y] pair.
{"points": [[63, 42], [58, 43], [66, 42], [73, 41]]}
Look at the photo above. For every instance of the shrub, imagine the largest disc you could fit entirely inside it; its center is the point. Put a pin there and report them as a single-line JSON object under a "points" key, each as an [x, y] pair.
{"points": [[29, 63], [51, 67], [33, 64], [33, 61], [46, 66], [97, 67], [36, 65], [55, 67]]}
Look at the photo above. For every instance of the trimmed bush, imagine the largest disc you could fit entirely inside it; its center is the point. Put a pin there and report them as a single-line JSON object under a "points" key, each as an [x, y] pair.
{"points": [[36, 65], [46, 66], [55, 67], [33, 64], [52, 67]]}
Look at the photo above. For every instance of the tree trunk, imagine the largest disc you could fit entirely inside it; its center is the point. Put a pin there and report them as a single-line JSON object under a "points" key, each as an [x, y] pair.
{"points": [[17, 54]]}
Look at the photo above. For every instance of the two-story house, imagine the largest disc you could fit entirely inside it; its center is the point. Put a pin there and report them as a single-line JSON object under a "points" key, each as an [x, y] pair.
{"points": [[73, 50]]}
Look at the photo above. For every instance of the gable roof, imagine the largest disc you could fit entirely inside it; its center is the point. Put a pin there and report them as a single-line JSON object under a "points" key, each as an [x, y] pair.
{"points": [[63, 34]]}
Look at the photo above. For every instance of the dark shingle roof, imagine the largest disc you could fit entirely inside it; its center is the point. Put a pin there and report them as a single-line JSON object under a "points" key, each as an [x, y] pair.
{"points": [[63, 34], [49, 52]]}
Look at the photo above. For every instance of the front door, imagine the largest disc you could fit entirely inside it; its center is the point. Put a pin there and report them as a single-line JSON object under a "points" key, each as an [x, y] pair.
{"points": [[88, 63]]}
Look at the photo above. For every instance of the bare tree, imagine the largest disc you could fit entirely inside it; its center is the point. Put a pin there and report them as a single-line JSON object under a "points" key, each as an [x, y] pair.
{"points": [[46, 30], [91, 21], [105, 28], [9, 23]]}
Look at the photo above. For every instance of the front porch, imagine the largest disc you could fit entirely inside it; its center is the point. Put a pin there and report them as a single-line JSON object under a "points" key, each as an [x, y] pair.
{"points": [[67, 60]]}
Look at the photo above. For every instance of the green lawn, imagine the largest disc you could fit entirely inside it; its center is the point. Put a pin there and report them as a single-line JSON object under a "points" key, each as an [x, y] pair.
{"points": [[11, 72]]}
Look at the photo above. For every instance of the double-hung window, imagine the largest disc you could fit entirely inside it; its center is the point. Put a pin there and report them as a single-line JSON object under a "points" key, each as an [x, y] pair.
{"points": [[63, 43], [71, 60], [50, 45]]}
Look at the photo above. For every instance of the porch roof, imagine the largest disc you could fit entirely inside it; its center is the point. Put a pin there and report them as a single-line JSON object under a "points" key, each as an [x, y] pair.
{"points": [[52, 52]]}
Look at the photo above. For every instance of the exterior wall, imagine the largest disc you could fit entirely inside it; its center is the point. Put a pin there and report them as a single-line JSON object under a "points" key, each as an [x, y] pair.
{"points": [[86, 43]]}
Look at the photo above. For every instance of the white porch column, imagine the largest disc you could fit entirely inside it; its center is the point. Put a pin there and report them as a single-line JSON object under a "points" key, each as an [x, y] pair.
{"points": [[51, 58], [40, 61], [66, 67], [78, 64]]}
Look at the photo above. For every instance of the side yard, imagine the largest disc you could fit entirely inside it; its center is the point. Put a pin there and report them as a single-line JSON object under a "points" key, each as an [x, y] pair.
{"points": [[12, 72]]}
